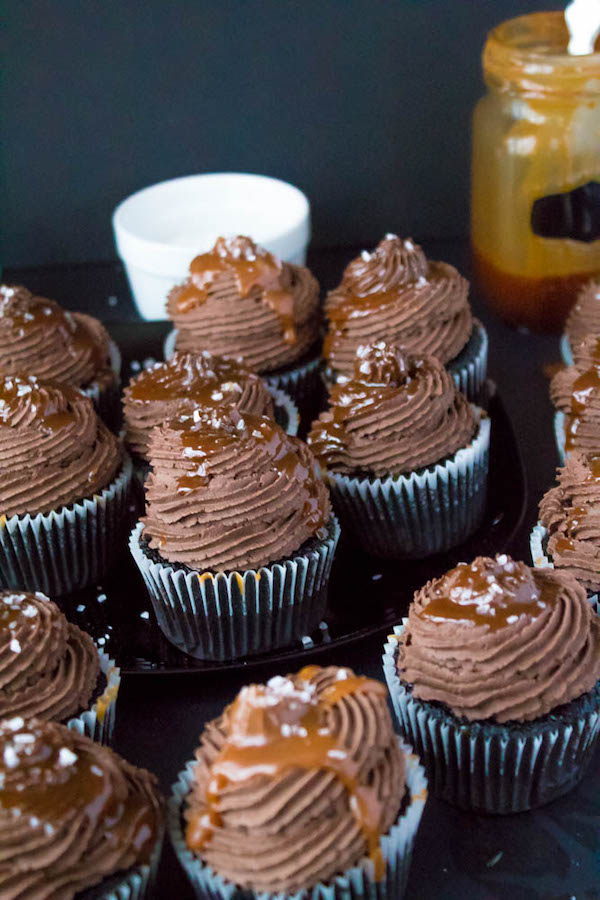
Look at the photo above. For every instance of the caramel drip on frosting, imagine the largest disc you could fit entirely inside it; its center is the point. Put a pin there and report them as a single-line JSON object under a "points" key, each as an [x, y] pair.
{"points": [[50, 403], [585, 388], [494, 593], [280, 726], [251, 267]]}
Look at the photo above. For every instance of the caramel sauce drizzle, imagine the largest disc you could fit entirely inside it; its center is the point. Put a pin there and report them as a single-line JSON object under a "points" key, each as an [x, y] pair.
{"points": [[183, 380], [585, 387], [50, 402], [268, 737], [252, 268], [49, 789], [493, 593]]}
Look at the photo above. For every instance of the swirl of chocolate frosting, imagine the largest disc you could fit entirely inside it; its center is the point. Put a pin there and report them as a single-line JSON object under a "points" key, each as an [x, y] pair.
{"points": [[241, 301], [185, 382], [584, 318], [570, 512], [396, 295], [397, 414], [228, 491], [297, 781], [72, 812], [48, 667], [54, 450], [495, 639], [575, 391], [39, 337]]}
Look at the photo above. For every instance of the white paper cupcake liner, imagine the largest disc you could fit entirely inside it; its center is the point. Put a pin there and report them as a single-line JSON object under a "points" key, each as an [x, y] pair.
{"points": [[98, 723], [107, 400], [135, 884], [357, 883], [559, 436], [565, 350], [229, 615], [69, 548], [492, 768], [469, 368], [416, 515], [303, 384], [286, 411], [540, 559]]}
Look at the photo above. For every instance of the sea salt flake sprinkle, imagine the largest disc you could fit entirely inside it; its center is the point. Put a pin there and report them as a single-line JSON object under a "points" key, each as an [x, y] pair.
{"points": [[66, 757]]}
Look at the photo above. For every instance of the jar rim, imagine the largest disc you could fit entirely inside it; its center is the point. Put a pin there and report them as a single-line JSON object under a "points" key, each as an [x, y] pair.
{"points": [[530, 52]]}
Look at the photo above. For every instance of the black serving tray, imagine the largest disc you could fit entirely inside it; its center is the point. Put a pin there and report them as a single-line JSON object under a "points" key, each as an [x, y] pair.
{"points": [[366, 596]]}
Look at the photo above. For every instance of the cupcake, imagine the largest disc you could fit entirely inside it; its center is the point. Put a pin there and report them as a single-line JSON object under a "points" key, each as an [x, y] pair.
{"points": [[238, 538], [76, 820], [575, 393], [494, 680], [404, 453], [300, 789], [583, 320], [395, 294], [241, 301], [188, 381], [40, 338], [51, 670], [568, 534], [64, 487]]}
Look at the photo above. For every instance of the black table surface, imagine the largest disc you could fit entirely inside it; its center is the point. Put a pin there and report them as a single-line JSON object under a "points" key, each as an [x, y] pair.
{"points": [[549, 854]]}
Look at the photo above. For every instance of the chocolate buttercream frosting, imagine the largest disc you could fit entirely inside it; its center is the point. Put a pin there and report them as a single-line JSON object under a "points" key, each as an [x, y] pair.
{"points": [[570, 512], [396, 294], [37, 336], [397, 414], [241, 301], [72, 812], [297, 781], [185, 382], [228, 491], [584, 318], [48, 667], [575, 391], [495, 639], [54, 450]]}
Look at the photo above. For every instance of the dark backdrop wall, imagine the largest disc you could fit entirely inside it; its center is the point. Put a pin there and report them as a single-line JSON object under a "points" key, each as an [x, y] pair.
{"points": [[365, 104]]}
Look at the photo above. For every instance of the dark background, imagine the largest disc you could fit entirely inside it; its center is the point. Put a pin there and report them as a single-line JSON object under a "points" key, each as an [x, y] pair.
{"points": [[364, 104]]}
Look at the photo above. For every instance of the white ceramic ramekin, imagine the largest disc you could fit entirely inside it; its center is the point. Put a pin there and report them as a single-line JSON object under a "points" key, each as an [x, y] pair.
{"points": [[160, 229]]}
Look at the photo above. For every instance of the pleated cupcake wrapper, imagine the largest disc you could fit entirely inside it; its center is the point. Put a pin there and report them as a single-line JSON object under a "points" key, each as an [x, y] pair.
{"points": [[230, 615], [69, 548], [541, 560], [487, 767], [469, 368], [565, 350], [303, 384], [286, 411], [559, 435], [416, 515], [135, 884], [98, 723], [357, 883], [107, 400]]}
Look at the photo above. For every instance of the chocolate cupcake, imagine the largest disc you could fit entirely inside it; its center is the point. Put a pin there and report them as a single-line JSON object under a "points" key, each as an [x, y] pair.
{"points": [[238, 538], [395, 294], [583, 320], [201, 380], [40, 338], [300, 789], [575, 393], [494, 680], [51, 670], [76, 820], [241, 301], [404, 454], [64, 487], [567, 536]]}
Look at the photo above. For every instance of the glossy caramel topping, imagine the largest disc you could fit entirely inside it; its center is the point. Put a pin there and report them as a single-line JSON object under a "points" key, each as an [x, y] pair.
{"points": [[586, 387], [281, 726], [202, 379], [251, 267], [48, 403], [491, 592]]}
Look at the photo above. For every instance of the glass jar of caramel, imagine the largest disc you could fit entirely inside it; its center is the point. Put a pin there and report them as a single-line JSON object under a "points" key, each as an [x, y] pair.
{"points": [[535, 204]]}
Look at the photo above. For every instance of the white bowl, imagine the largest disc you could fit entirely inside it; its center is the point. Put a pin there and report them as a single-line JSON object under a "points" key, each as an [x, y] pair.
{"points": [[160, 229]]}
